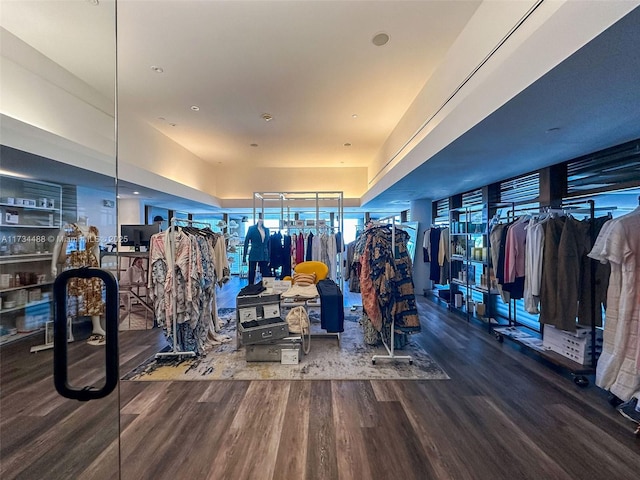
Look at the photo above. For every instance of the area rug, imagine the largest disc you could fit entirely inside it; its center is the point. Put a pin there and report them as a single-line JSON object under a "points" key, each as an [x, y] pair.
{"points": [[328, 359]]}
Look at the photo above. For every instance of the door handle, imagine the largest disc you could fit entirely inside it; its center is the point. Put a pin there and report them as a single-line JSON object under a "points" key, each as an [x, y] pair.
{"points": [[60, 335]]}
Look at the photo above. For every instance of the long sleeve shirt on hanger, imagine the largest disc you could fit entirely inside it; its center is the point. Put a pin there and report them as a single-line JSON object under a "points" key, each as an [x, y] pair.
{"points": [[533, 266], [515, 251]]}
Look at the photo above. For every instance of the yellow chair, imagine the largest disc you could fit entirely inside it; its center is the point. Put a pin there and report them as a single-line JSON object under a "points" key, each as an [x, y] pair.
{"points": [[320, 269]]}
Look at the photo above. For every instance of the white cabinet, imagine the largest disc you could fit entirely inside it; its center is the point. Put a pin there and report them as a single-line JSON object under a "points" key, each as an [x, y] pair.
{"points": [[30, 218]]}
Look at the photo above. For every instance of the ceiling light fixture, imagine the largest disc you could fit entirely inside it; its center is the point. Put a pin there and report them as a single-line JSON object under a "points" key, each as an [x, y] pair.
{"points": [[552, 130], [266, 117], [380, 39], [195, 108], [173, 124], [354, 115], [347, 144], [136, 193], [254, 145], [157, 69]]}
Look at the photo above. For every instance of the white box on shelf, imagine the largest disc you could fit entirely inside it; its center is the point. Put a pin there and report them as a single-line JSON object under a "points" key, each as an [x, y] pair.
{"points": [[271, 311], [280, 286], [11, 217], [289, 356], [35, 295], [248, 314]]}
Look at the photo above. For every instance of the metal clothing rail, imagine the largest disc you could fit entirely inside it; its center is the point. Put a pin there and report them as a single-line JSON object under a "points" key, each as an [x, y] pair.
{"points": [[175, 351], [391, 349], [569, 208], [332, 201]]}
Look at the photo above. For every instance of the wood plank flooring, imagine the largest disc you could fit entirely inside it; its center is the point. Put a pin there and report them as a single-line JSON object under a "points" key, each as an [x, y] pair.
{"points": [[502, 415]]}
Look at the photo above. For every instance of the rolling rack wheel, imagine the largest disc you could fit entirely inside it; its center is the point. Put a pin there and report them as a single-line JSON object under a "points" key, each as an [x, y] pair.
{"points": [[637, 432], [410, 362], [581, 381], [373, 362], [499, 337]]}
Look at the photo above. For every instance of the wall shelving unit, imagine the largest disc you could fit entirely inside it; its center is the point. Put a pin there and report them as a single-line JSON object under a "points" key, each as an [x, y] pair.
{"points": [[30, 217], [471, 271]]}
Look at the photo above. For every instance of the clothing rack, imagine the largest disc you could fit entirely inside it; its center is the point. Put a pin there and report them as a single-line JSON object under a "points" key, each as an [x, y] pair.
{"points": [[391, 349], [173, 225], [569, 208], [300, 201]]}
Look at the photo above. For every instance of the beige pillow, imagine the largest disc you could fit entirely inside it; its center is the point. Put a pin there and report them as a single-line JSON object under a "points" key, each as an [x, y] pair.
{"points": [[304, 279]]}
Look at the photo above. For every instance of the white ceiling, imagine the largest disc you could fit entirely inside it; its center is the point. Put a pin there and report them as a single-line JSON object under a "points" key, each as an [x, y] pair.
{"points": [[309, 64], [312, 66]]}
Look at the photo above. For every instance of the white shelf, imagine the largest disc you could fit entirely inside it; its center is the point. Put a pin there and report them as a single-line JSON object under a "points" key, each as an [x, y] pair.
{"points": [[41, 209], [31, 257], [25, 306], [15, 225], [33, 285]]}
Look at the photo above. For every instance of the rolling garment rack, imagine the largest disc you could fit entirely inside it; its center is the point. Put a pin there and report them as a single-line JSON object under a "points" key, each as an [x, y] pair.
{"points": [[175, 351], [391, 349], [578, 371]]}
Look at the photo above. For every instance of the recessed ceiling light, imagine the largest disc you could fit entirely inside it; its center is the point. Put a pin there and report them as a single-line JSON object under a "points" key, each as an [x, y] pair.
{"points": [[195, 108], [380, 39], [552, 129], [254, 145], [347, 144], [157, 69], [355, 115], [266, 117], [161, 119], [136, 193], [173, 124]]}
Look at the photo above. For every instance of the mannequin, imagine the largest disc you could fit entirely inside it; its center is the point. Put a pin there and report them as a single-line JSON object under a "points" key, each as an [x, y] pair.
{"points": [[258, 237], [79, 247]]}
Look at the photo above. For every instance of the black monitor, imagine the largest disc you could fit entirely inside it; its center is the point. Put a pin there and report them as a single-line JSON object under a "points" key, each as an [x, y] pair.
{"points": [[137, 235]]}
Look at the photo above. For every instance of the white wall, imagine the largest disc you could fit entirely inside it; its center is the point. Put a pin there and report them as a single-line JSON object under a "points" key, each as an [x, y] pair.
{"points": [[421, 213], [130, 211], [91, 208], [236, 182]]}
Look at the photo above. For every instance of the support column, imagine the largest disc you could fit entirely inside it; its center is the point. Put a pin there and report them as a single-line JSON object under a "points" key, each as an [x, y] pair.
{"points": [[421, 213]]}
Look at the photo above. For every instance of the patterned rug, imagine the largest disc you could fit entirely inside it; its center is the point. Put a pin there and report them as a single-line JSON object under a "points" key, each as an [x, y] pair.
{"points": [[328, 359]]}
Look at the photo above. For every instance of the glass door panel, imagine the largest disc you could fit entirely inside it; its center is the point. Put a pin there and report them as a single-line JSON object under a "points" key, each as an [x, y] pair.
{"points": [[57, 207]]}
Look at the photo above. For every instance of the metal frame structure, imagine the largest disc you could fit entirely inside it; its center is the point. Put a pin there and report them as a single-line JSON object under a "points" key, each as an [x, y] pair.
{"points": [[288, 202]]}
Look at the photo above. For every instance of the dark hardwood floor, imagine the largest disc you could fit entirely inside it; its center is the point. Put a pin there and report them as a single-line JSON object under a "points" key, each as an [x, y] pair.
{"points": [[502, 415]]}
